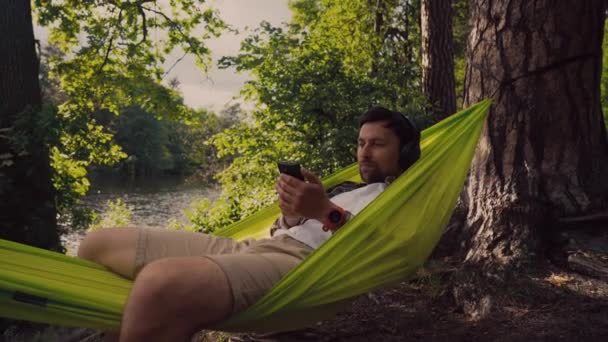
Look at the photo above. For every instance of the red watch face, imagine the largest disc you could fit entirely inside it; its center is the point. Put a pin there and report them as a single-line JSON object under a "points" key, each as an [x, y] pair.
{"points": [[335, 216]]}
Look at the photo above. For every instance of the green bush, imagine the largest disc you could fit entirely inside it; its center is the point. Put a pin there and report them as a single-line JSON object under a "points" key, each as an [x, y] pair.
{"points": [[117, 215]]}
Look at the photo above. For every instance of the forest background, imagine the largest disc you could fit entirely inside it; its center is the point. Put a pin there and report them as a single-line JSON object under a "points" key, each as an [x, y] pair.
{"points": [[106, 108]]}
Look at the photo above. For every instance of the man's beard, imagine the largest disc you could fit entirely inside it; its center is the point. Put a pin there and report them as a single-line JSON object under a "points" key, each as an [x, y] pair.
{"points": [[375, 176]]}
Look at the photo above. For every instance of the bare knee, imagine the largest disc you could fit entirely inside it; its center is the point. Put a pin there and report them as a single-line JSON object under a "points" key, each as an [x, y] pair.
{"points": [[187, 283], [111, 247], [93, 245], [183, 294]]}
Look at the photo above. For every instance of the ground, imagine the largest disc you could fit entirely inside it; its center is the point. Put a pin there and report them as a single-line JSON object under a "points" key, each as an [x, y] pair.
{"points": [[546, 301], [544, 304]]}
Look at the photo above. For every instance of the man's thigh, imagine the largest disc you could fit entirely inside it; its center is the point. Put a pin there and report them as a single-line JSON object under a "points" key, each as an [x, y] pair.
{"points": [[191, 293], [251, 275], [174, 297], [127, 250], [155, 244]]}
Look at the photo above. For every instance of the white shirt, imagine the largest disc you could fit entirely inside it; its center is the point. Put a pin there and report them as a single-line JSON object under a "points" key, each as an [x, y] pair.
{"points": [[311, 232]]}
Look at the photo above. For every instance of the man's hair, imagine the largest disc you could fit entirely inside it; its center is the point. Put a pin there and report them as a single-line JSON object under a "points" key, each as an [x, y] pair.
{"points": [[401, 126]]}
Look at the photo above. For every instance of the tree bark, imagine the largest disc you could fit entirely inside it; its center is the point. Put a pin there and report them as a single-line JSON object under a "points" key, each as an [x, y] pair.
{"points": [[27, 210], [543, 153], [437, 54]]}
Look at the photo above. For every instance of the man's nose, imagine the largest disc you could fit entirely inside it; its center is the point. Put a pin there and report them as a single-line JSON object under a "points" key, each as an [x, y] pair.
{"points": [[365, 152]]}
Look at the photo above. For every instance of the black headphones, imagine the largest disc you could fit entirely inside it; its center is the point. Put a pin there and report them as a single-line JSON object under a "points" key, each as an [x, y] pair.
{"points": [[410, 152]]}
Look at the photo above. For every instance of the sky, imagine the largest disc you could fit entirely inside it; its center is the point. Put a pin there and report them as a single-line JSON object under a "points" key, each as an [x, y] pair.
{"points": [[217, 88], [214, 90]]}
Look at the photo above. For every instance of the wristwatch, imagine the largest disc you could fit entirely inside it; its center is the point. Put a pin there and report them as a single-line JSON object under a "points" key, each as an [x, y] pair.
{"points": [[335, 219]]}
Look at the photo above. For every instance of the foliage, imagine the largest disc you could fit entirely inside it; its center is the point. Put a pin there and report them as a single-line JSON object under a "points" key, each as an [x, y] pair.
{"points": [[120, 63], [76, 149], [157, 146], [50, 88], [143, 137], [312, 79], [187, 141], [34, 128], [107, 56], [117, 214]]}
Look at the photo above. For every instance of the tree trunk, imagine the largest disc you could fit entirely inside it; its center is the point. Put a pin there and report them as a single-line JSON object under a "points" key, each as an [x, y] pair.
{"points": [[379, 7], [27, 210], [437, 53], [543, 153]]}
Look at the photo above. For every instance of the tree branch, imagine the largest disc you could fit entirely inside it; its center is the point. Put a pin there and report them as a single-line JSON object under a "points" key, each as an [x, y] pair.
{"points": [[144, 25], [174, 64], [175, 26], [110, 45]]}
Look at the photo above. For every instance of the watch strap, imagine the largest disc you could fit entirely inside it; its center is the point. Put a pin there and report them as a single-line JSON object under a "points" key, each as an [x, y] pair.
{"points": [[329, 225]]}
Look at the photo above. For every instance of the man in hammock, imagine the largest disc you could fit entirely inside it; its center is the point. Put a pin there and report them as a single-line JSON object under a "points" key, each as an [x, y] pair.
{"points": [[187, 281]]}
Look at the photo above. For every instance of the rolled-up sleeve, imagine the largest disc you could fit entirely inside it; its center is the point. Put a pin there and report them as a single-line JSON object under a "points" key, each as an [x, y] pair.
{"points": [[280, 223]]}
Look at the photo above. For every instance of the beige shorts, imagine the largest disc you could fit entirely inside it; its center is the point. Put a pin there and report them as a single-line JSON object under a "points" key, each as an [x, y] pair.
{"points": [[252, 267]]}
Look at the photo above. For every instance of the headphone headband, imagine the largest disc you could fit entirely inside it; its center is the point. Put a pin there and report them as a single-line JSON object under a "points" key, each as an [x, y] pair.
{"points": [[409, 122]]}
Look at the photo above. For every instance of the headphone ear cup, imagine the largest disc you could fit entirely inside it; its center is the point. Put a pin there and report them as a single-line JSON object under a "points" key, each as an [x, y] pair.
{"points": [[409, 154]]}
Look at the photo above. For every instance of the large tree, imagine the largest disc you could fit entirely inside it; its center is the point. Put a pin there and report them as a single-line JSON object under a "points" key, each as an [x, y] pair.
{"points": [[543, 153], [27, 210], [437, 57]]}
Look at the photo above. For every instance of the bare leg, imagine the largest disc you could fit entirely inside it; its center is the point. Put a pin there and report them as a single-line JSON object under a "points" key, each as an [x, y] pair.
{"points": [[113, 248], [173, 298]]}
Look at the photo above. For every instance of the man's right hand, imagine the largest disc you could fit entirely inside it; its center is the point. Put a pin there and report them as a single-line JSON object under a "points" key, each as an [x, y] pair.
{"points": [[290, 219]]}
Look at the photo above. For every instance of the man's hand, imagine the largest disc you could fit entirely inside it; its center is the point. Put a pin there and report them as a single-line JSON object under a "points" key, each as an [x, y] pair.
{"points": [[304, 199], [289, 217]]}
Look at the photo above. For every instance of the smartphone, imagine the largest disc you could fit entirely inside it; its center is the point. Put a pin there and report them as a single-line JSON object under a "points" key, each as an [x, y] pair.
{"points": [[291, 168]]}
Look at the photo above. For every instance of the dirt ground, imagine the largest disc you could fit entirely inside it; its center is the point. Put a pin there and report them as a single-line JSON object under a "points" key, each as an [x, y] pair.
{"points": [[548, 304], [554, 298]]}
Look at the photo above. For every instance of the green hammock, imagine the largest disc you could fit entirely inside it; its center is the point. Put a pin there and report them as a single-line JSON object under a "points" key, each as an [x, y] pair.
{"points": [[382, 245]]}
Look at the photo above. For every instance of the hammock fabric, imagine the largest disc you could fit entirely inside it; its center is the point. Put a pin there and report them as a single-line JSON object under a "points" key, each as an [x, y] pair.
{"points": [[384, 244]]}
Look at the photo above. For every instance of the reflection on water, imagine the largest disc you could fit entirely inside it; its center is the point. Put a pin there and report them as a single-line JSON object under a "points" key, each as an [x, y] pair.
{"points": [[152, 203]]}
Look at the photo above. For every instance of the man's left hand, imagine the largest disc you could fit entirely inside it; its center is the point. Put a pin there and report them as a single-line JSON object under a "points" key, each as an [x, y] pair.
{"points": [[307, 199]]}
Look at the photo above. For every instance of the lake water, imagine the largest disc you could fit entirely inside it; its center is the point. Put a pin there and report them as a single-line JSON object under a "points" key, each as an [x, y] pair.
{"points": [[152, 203]]}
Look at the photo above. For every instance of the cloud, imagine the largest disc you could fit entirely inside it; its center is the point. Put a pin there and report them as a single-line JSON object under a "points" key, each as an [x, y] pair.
{"points": [[206, 96], [243, 15], [217, 87]]}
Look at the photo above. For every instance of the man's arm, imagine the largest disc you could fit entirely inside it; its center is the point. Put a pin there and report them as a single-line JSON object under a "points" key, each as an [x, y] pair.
{"points": [[303, 199], [286, 222]]}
